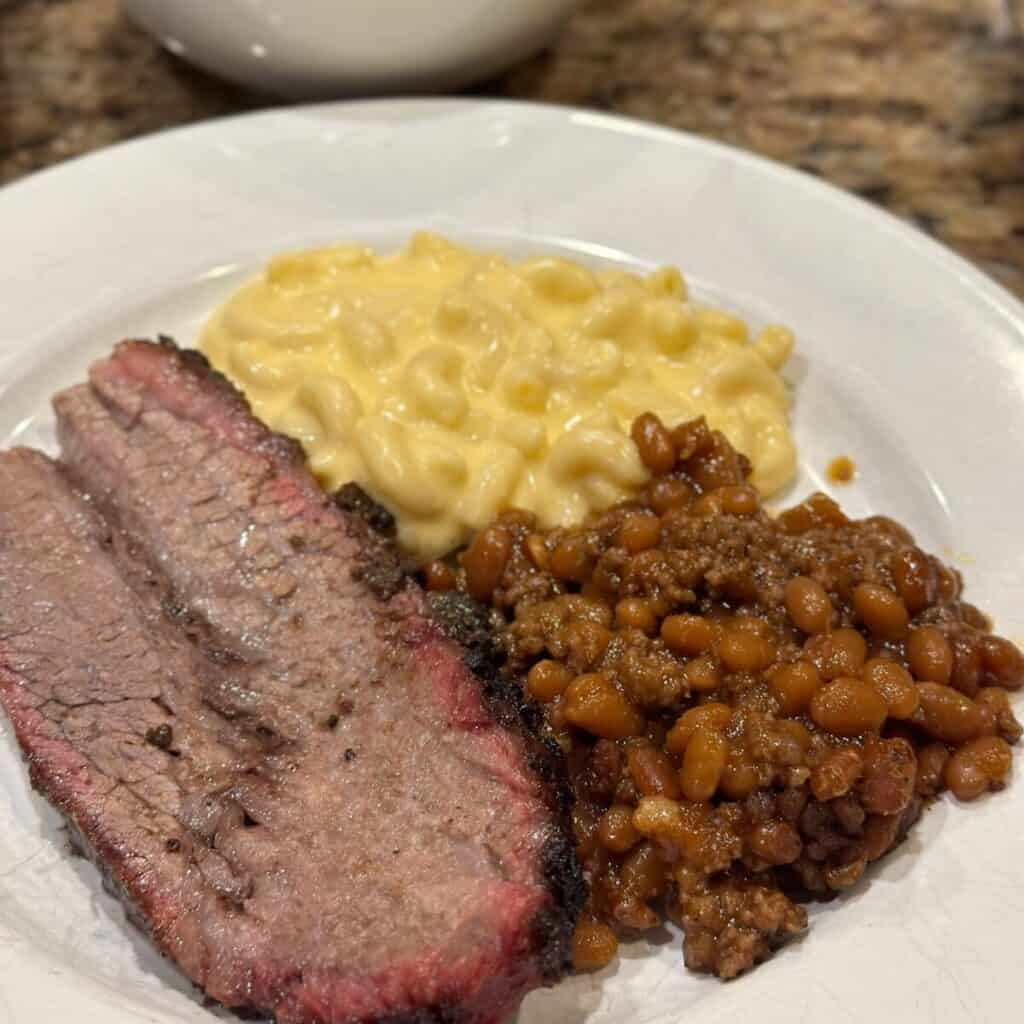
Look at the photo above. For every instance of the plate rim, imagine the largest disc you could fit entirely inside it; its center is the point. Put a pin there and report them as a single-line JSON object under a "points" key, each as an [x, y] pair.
{"points": [[993, 293]]}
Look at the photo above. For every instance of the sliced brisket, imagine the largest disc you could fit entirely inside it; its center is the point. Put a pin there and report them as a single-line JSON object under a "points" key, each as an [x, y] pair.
{"points": [[300, 787]]}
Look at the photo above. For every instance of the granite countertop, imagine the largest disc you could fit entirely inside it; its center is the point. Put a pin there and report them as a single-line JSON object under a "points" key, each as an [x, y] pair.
{"points": [[916, 104]]}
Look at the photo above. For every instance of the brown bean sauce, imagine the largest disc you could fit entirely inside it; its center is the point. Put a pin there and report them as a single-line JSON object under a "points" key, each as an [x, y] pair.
{"points": [[753, 708], [841, 470]]}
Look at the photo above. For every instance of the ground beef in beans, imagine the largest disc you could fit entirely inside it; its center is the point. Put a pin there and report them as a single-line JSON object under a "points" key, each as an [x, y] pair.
{"points": [[753, 709]]}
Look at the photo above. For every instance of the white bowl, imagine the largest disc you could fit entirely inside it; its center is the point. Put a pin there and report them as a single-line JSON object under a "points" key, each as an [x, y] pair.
{"points": [[333, 47]]}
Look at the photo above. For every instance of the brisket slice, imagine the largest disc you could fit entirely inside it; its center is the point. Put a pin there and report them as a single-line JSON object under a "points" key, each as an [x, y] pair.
{"points": [[261, 733]]}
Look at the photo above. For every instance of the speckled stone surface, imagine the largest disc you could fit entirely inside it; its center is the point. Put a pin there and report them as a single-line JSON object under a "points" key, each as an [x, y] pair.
{"points": [[916, 104]]}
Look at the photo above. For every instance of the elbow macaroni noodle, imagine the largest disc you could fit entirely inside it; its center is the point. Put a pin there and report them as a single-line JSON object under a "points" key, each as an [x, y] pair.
{"points": [[454, 384]]}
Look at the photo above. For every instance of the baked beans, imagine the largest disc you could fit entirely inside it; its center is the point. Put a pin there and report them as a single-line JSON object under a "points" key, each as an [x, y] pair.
{"points": [[929, 655], [808, 605], [977, 766], [594, 945], [639, 532], [895, 685], [652, 772], [881, 610], [848, 707], [753, 709], [547, 680], [793, 684], [688, 635], [654, 443], [484, 561], [616, 830]]}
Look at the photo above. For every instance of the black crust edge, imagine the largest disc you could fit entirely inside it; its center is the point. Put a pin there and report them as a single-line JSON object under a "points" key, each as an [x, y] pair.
{"points": [[469, 623], [352, 498], [380, 566], [196, 363]]}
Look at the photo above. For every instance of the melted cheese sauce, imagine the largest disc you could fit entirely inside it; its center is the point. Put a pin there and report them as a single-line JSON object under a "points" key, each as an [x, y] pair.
{"points": [[453, 384]]}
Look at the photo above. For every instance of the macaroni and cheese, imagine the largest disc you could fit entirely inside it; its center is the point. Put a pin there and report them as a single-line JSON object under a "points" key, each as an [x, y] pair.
{"points": [[453, 384]]}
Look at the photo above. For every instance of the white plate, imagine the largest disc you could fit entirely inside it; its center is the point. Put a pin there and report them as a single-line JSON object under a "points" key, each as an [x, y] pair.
{"points": [[910, 361]]}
